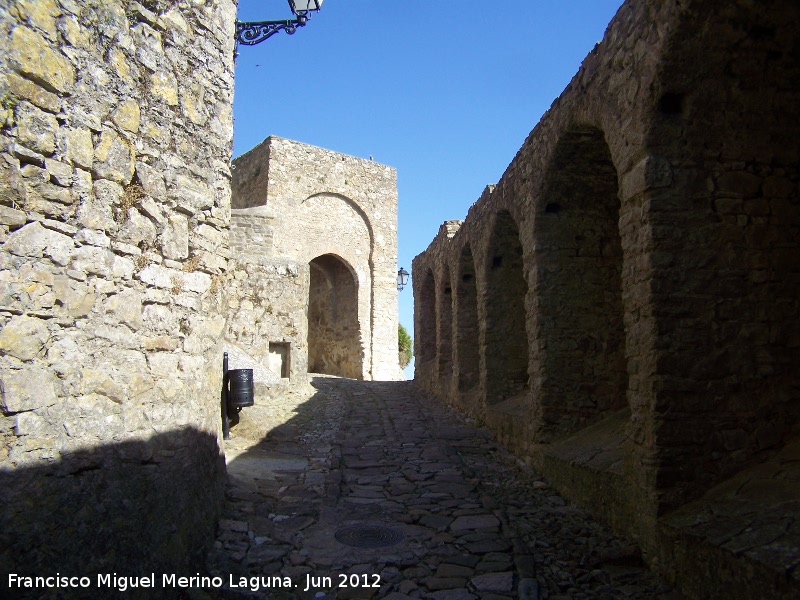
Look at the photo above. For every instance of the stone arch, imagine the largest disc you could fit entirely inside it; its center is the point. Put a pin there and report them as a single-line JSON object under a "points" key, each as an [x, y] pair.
{"points": [[425, 331], [334, 333], [350, 203], [581, 374], [506, 339], [331, 223], [467, 339], [445, 330], [727, 230]]}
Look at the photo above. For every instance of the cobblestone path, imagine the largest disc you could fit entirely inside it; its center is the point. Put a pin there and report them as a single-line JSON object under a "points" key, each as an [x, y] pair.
{"points": [[381, 463]]}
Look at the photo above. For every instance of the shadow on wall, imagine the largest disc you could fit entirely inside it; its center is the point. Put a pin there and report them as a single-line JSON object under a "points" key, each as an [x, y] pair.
{"points": [[132, 509]]}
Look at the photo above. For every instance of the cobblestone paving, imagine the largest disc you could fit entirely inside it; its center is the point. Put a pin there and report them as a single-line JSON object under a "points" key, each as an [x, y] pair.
{"points": [[474, 523]]}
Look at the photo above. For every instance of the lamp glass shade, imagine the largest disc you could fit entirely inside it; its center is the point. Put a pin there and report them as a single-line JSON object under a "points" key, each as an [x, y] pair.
{"points": [[402, 277], [304, 6]]}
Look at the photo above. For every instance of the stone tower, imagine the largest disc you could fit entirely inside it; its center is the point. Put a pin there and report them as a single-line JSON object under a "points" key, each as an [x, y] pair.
{"points": [[318, 231]]}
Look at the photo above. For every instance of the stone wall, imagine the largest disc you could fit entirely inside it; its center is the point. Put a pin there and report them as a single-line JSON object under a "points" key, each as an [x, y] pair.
{"points": [[626, 300], [114, 207], [334, 218]]}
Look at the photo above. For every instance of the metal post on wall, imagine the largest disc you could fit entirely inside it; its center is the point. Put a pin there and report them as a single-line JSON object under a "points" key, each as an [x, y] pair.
{"points": [[226, 426]]}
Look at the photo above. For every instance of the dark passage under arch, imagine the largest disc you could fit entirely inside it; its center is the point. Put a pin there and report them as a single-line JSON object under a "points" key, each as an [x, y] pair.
{"points": [[334, 336]]}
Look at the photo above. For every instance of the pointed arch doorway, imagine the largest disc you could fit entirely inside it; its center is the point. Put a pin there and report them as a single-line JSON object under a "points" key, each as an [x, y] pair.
{"points": [[334, 334]]}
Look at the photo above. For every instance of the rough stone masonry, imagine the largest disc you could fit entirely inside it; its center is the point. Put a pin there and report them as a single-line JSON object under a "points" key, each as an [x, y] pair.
{"points": [[623, 307], [114, 212]]}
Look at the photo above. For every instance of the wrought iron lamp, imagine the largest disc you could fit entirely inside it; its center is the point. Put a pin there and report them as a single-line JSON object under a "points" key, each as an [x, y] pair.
{"points": [[251, 33], [402, 279]]}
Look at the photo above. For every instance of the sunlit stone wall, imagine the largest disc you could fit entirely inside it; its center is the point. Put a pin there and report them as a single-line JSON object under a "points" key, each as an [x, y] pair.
{"points": [[114, 206]]}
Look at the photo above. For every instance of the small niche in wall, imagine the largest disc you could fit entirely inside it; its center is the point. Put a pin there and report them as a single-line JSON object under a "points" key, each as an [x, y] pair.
{"points": [[279, 358]]}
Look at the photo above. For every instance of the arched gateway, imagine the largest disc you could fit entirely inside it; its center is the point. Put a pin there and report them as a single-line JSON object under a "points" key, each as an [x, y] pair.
{"points": [[334, 335]]}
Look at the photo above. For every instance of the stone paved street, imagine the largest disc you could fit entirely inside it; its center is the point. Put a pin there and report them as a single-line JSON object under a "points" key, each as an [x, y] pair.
{"points": [[461, 519]]}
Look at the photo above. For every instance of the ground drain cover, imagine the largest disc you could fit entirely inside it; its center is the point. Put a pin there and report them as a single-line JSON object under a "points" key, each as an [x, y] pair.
{"points": [[368, 536]]}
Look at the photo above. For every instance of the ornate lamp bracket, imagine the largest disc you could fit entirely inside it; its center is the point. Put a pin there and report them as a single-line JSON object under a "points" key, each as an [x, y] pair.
{"points": [[251, 33]]}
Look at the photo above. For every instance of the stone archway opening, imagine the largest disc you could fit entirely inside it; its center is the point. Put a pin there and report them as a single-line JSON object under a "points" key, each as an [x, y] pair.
{"points": [[579, 287], [506, 334], [467, 341], [334, 333], [445, 346], [426, 327]]}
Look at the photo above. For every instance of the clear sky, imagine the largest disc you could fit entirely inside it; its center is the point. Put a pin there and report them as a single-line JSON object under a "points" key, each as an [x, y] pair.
{"points": [[445, 97]]}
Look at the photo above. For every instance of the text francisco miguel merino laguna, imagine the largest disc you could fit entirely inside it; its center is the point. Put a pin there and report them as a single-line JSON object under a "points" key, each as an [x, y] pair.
{"points": [[253, 584]]}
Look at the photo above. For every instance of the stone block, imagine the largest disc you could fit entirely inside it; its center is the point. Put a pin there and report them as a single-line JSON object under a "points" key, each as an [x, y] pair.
{"points": [[60, 173], [125, 307], [29, 423], [151, 180], [137, 229], [175, 238], [32, 56], [173, 279], [76, 298], [92, 260], [36, 129], [113, 158], [79, 147], [28, 389], [163, 86], [191, 195], [494, 582], [12, 217], [93, 237], [35, 94], [104, 382], [24, 337], [36, 241], [39, 13], [650, 172], [127, 115]]}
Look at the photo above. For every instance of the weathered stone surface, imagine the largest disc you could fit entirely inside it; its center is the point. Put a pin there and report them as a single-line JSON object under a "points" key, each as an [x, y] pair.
{"points": [[28, 389], [175, 238], [60, 173], [474, 522], [79, 147], [36, 94], [113, 158], [24, 337], [37, 241], [164, 87], [77, 298], [12, 217], [39, 13], [92, 259], [85, 416], [175, 280], [36, 129], [125, 307], [33, 57], [152, 181], [190, 194], [137, 229], [127, 115], [494, 582]]}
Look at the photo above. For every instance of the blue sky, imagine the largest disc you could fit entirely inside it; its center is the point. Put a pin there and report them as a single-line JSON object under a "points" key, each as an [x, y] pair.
{"points": [[445, 97]]}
